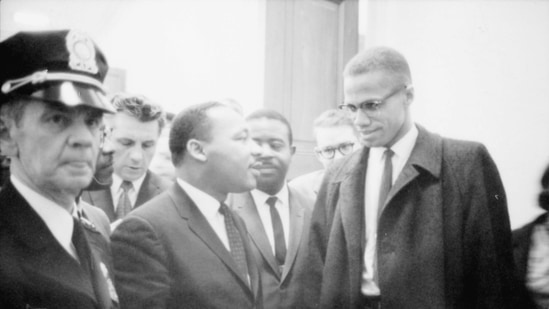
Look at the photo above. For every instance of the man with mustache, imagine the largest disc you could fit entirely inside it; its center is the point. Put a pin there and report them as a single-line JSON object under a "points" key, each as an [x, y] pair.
{"points": [[51, 108], [277, 217]]}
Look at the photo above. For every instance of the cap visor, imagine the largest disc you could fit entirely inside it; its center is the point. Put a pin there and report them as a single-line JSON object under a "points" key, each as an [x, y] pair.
{"points": [[73, 94]]}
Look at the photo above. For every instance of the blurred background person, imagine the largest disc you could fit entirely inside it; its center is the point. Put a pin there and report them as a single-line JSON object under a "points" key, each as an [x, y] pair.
{"points": [[335, 137], [531, 251], [136, 128]]}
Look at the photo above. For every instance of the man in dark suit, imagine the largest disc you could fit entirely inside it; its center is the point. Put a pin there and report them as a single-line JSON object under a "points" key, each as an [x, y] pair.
{"points": [[51, 108], [185, 247], [134, 132], [412, 220], [277, 217]]}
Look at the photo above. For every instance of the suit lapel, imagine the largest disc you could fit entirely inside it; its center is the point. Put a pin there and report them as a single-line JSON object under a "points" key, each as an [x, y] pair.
{"points": [[201, 227], [245, 206], [103, 200], [146, 191], [297, 218]]}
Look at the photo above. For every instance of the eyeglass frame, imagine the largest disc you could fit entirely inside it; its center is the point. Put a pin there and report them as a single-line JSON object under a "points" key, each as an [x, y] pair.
{"points": [[321, 152], [372, 107]]}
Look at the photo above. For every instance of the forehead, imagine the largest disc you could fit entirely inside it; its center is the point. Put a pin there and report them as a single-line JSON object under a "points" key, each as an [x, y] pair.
{"points": [[268, 128], [224, 120], [365, 86], [130, 127], [333, 136]]}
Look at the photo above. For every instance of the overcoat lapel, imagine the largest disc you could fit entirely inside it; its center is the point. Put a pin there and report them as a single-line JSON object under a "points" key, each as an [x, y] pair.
{"points": [[200, 226], [426, 155], [245, 205]]}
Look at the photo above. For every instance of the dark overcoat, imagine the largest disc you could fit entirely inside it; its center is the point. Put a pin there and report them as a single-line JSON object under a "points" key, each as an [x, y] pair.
{"points": [[444, 239]]}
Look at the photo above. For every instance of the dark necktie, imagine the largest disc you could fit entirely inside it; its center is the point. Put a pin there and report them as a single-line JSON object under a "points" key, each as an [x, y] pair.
{"points": [[90, 265], [278, 232], [235, 240], [386, 180], [124, 205]]}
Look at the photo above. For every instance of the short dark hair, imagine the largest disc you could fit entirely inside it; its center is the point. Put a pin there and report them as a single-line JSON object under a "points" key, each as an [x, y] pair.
{"points": [[380, 59], [139, 107], [274, 115], [191, 122], [543, 199]]}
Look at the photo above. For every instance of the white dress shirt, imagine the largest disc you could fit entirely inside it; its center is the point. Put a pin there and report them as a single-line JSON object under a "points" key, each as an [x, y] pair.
{"points": [[283, 207], [209, 207], [58, 220], [402, 150], [116, 189], [537, 275]]}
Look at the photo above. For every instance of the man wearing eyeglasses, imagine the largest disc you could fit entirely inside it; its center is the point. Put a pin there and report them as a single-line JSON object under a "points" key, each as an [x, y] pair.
{"points": [[335, 137], [413, 220]]}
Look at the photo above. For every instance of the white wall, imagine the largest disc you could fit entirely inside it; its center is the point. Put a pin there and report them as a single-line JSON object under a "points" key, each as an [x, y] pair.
{"points": [[481, 72], [176, 52]]}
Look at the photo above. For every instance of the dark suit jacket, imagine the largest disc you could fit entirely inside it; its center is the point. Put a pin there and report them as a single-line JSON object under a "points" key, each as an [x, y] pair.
{"points": [[166, 255], [443, 238], [280, 290], [35, 270], [522, 240], [152, 186], [97, 218]]}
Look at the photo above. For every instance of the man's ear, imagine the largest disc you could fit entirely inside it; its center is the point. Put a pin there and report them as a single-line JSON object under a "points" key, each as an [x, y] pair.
{"points": [[8, 146], [409, 95], [195, 148], [292, 149]]}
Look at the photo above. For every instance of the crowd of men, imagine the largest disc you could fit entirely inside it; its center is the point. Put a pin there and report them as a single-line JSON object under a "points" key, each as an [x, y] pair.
{"points": [[399, 217]]}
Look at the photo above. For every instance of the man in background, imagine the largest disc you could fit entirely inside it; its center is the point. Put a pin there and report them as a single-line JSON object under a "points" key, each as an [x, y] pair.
{"points": [[413, 220], [335, 137], [185, 247], [136, 127], [276, 216], [51, 108]]}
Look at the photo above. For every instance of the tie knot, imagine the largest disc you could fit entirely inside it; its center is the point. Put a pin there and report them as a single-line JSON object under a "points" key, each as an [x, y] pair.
{"points": [[271, 201], [126, 185], [389, 153], [224, 209]]}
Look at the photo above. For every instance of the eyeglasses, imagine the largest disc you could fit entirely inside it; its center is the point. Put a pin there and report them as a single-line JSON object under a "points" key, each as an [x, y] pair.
{"points": [[329, 152], [371, 107], [104, 135]]}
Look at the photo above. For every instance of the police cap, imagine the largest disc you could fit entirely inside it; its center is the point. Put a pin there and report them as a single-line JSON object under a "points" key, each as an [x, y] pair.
{"points": [[62, 66]]}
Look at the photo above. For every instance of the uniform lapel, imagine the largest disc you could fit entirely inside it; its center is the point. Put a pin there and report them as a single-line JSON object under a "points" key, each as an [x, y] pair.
{"points": [[245, 206], [202, 229], [44, 259]]}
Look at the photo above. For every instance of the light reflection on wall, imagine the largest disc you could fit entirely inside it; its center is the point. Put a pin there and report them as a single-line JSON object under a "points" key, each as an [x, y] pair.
{"points": [[174, 52]]}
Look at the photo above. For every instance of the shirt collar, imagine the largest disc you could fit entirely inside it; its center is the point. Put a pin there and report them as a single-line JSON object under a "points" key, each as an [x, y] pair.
{"points": [[117, 182], [206, 203], [58, 220], [401, 149], [260, 197]]}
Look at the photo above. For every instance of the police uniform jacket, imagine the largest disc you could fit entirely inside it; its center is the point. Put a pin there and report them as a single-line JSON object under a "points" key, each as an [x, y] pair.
{"points": [[35, 270]]}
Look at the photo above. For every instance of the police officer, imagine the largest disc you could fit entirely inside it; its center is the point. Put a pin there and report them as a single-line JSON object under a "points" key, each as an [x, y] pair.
{"points": [[51, 108]]}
